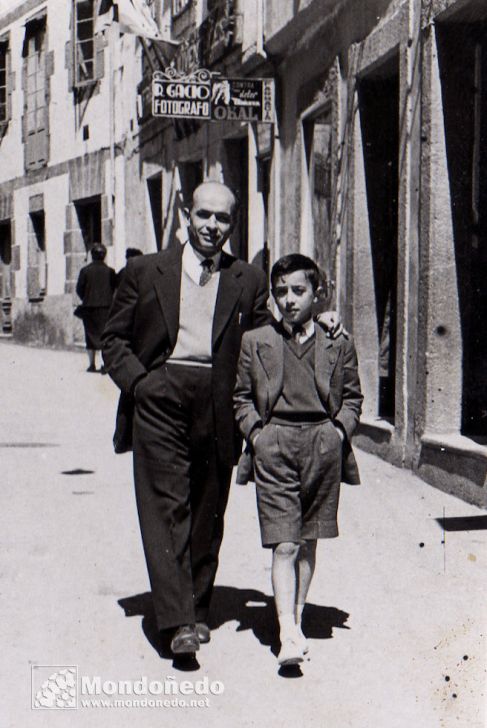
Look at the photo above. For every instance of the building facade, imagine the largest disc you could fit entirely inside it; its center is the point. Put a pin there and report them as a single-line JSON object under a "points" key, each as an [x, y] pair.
{"points": [[374, 166]]}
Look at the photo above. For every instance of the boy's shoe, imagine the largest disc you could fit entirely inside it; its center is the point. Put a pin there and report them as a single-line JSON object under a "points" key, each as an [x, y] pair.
{"points": [[291, 652]]}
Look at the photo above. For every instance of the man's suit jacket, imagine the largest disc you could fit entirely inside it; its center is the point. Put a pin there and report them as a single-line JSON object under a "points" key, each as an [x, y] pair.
{"points": [[260, 382], [143, 325]]}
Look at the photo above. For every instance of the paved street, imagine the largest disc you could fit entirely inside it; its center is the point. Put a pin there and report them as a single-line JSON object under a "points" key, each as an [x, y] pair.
{"points": [[396, 616]]}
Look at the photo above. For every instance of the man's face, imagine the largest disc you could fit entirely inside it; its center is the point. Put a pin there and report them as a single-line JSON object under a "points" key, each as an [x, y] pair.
{"points": [[294, 296], [211, 218]]}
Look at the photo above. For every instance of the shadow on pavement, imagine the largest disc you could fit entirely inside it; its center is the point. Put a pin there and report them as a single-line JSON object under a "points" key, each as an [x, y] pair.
{"points": [[463, 523], [250, 608]]}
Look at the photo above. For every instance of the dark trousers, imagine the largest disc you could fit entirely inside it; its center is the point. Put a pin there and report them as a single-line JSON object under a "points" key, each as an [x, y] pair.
{"points": [[181, 490]]}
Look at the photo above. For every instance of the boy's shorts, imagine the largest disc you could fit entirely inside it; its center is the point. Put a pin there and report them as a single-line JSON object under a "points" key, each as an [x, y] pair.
{"points": [[297, 476]]}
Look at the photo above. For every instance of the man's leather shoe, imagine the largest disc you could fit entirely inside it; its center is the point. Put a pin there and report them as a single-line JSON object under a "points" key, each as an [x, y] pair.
{"points": [[185, 640], [203, 632]]}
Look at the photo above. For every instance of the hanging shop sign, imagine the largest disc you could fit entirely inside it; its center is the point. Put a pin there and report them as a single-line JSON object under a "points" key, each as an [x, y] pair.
{"points": [[243, 99], [182, 97], [206, 95]]}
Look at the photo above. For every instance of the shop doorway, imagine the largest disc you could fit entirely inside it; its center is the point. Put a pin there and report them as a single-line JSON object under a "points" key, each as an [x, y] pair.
{"points": [[462, 53], [379, 117]]}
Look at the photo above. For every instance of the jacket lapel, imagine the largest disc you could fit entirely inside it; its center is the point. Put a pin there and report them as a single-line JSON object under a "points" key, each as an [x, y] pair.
{"points": [[229, 292], [168, 286], [271, 356], [325, 362]]}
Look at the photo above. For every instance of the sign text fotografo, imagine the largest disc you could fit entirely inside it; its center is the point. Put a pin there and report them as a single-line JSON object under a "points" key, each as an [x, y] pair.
{"points": [[202, 95]]}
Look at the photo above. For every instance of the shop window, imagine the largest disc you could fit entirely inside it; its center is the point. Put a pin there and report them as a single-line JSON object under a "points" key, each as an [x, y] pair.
{"points": [[37, 262], [379, 116], [462, 53], [35, 94], [89, 219], [154, 188]]}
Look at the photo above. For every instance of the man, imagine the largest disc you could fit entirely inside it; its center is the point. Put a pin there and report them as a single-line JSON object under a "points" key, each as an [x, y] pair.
{"points": [[172, 344], [129, 253]]}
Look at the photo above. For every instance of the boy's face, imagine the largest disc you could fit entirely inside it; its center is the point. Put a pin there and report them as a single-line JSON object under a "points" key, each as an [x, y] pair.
{"points": [[294, 296]]}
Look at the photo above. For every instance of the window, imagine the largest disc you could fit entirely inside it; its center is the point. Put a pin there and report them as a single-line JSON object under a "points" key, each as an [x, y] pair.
{"points": [[35, 125], [3, 83], [84, 42]]}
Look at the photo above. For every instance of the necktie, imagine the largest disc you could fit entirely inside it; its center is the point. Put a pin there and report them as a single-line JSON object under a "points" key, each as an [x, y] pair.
{"points": [[298, 331], [206, 271]]}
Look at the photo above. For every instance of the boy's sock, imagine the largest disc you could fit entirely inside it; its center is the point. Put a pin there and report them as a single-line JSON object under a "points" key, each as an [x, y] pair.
{"points": [[298, 612], [287, 626]]}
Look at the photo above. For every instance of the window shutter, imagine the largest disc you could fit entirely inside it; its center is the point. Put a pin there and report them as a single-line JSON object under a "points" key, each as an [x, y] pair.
{"points": [[69, 63], [99, 56]]}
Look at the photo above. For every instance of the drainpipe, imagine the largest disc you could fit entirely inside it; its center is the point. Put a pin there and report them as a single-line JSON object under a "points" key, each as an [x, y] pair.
{"points": [[260, 29]]}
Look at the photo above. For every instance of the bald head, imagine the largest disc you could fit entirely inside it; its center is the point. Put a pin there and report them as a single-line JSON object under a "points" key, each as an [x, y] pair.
{"points": [[215, 190], [211, 217]]}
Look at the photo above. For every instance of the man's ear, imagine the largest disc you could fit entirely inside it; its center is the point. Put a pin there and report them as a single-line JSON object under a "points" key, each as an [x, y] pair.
{"points": [[186, 213]]}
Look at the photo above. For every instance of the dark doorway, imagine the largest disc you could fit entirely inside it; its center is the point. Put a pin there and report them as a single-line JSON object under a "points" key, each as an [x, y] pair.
{"points": [[462, 52], [263, 187], [89, 220], [191, 175], [37, 263], [154, 186], [379, 116], [237, 177], [5, 275]]}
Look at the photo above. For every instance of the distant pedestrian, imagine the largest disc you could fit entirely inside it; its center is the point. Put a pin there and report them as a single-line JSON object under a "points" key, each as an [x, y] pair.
{"points": [[96, 285], [297, 403], [129, 253]]}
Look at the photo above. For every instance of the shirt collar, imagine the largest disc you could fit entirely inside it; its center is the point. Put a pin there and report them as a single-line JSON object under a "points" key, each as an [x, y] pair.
{"points": [[192, 262], [308, 326]]}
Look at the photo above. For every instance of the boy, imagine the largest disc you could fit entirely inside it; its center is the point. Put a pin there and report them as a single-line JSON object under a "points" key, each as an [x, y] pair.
{"points": [[297, 402]]}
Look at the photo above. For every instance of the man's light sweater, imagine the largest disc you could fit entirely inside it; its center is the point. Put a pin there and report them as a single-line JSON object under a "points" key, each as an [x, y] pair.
{"points": [[197, 308]]}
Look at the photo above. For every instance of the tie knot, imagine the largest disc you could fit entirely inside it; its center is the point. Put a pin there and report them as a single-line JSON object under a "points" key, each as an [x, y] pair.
{"points": [[298, 330], [207, 266]]}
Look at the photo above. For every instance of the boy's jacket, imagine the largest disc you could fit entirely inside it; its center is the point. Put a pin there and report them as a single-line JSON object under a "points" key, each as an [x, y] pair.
{"points": [[260, 381]]}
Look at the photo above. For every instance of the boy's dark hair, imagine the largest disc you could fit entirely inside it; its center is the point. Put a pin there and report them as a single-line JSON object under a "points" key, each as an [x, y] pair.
{"points": [[293, 262], [98, 251], [132, 253]]}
